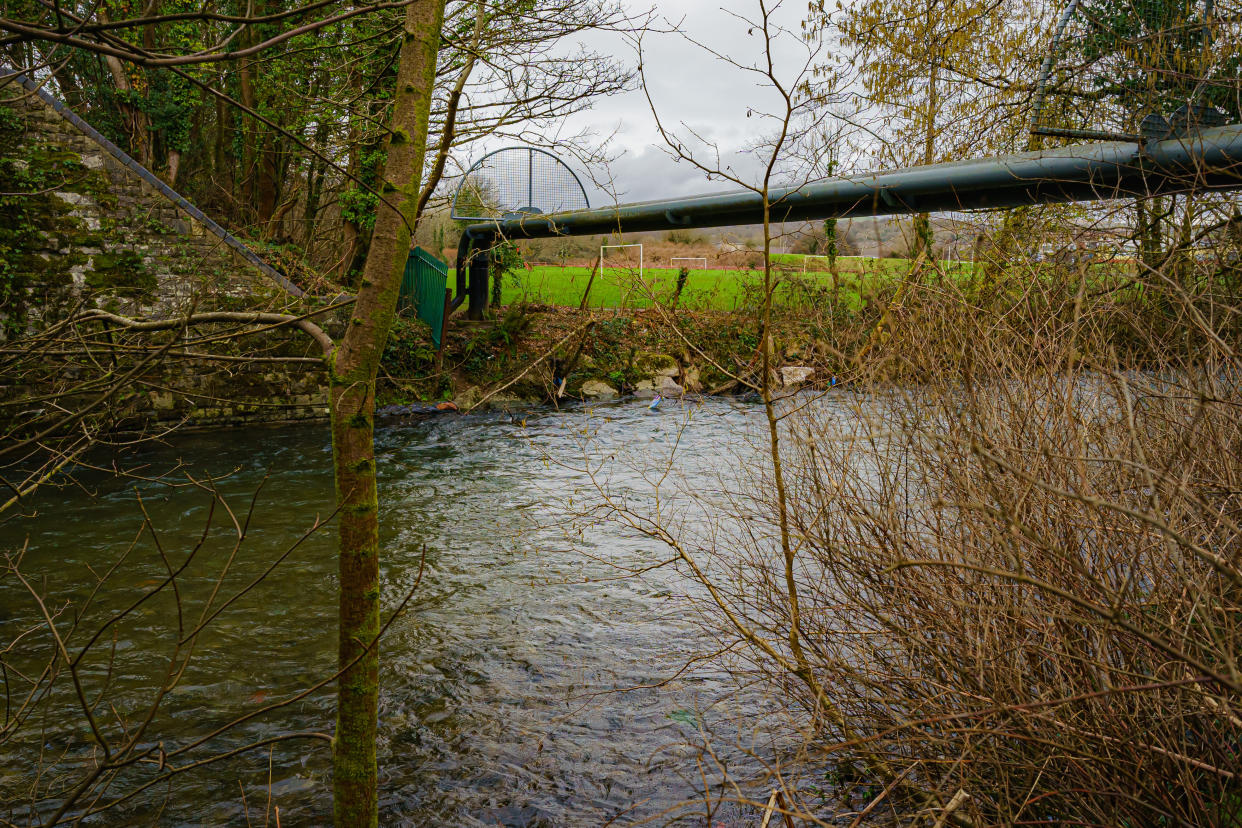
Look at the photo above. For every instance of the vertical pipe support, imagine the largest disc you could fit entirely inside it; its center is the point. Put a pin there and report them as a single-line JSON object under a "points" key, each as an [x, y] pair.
{"points": [[473, 268], [474, 254], [479, 271]]}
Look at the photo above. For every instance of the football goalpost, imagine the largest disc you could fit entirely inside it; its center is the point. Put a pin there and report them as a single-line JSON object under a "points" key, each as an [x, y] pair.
{"points": [[673, 261], [604, 247], [806, 260]]}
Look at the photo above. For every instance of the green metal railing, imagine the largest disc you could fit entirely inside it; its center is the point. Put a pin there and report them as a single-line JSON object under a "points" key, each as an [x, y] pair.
{"points": [[422, 288]]}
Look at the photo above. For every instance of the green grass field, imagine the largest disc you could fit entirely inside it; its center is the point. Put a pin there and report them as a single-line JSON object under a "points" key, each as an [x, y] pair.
{"points": [[728, 290], [620, 287]]}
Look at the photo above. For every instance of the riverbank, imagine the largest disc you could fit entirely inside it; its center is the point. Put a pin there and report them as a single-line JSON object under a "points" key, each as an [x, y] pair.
{"points": [[907, 330], [534, 354]]}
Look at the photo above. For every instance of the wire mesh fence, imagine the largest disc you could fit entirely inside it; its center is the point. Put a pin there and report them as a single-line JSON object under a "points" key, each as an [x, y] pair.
{"points": [[515, 181], [1140, 69]]}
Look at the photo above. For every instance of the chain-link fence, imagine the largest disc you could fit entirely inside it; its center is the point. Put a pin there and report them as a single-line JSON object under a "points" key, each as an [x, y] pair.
{"points": [[1140, 69], [516, 181]]}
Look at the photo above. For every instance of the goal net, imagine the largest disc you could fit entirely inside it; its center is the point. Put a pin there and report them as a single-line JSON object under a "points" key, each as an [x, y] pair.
{"points": [[688, 261]]}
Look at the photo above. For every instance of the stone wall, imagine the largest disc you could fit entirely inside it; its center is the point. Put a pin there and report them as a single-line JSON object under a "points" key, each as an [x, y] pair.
{"points": [[77, 226]]}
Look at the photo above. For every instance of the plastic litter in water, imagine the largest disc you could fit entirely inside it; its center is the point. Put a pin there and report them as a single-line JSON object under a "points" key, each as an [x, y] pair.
{"points": [[655, 403]]}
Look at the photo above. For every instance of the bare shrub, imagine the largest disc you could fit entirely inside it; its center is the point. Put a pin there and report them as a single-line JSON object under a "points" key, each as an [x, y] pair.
{"points": [[1024, 580]]}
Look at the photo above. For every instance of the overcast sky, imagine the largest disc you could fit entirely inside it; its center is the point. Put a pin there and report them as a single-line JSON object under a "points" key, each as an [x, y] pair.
{"points": [[691, 90]]}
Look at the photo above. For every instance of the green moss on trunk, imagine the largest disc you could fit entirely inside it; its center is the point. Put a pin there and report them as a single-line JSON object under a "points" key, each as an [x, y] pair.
{"points": [[353, 371]]}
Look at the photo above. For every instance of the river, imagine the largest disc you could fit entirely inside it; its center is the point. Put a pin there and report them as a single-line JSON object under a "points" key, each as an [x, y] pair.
{"points": [[518, 688]]}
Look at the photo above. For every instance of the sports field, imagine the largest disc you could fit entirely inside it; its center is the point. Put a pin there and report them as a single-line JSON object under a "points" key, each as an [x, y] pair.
{"points": [[621, 287]]}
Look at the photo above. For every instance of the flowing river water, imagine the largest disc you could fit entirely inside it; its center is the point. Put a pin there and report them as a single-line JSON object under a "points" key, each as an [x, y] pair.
{"points": [[527, 683]]}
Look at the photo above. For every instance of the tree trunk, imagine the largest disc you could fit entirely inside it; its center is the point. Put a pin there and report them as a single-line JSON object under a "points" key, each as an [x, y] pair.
{"points": [[222, 161], [266, 177], [315, 166], [1149, 213], [310, 216], [923, 236], [352, 378], [134, 119], [250, 136], [449, 130]]}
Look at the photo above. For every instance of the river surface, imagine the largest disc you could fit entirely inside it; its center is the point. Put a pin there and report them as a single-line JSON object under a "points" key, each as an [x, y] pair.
{"points": [[518, 686]]}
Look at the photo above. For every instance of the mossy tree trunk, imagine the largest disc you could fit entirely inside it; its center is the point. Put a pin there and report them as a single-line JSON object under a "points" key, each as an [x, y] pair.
{"points": [[353, 372], [830, 250], [1150, 214], [924, 238]]}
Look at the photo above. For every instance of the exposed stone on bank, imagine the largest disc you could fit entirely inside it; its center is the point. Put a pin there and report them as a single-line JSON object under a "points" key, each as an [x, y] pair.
{"points": [[656, 365], [598, 390], [662, 386], [794, 375]]}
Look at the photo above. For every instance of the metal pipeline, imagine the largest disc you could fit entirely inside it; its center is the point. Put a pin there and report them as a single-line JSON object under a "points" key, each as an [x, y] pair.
{"points": [[1208, 160], [1211, 159]]}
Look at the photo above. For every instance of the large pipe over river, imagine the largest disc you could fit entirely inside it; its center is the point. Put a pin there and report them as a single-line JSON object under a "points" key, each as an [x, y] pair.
{"points": [[1207, 160]]}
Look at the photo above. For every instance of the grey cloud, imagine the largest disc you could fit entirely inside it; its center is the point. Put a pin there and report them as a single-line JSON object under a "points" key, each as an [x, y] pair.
{"points": [[692, 92]]}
